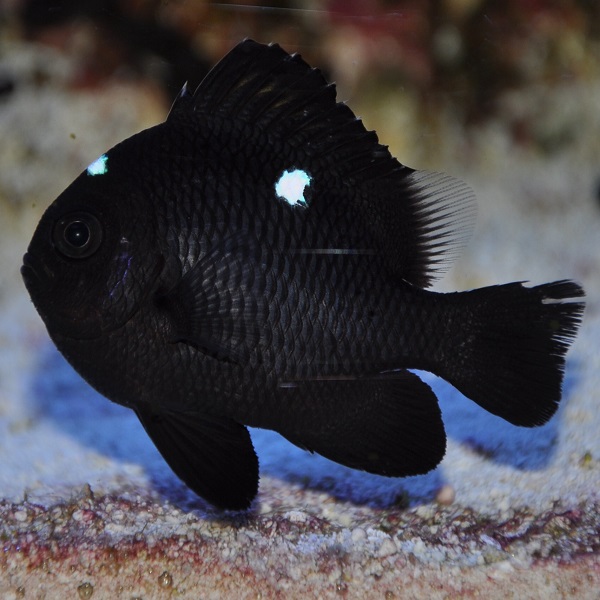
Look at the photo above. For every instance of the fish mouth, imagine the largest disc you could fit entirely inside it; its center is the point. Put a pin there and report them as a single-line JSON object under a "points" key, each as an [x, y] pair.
{"points": [[29, 269], [34, 271]]}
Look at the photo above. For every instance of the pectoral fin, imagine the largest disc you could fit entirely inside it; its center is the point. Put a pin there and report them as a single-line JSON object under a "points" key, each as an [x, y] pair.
{"points": [[212, 456], [389, 426], [217, 305]]}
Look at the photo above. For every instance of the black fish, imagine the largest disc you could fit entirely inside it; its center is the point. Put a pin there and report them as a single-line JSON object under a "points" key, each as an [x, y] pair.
{"points": [[260, 259]]}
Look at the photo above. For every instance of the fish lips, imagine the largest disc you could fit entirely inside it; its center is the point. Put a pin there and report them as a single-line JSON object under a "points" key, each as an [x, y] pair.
{"points": [[35, 275], [29, 270]]}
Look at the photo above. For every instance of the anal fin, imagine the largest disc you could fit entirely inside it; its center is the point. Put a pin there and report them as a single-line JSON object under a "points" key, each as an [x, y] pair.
{"points": [[212, 456], [390, 425]]}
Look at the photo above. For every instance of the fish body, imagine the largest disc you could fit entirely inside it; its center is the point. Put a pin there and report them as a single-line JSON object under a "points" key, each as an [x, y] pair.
{"points": [[259, 259]]}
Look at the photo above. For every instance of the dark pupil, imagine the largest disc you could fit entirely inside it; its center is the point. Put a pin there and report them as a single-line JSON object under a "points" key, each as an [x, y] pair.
{"points": [[77, 234]]}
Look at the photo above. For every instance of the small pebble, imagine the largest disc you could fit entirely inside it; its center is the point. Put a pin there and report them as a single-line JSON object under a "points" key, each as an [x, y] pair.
{"points": [[165, 580], [359, 535], [85, 590], [387, 548], [445, 495]]}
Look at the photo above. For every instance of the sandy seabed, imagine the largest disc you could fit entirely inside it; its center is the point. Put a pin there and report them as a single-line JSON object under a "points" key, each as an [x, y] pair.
{"points": [[89, 509]]}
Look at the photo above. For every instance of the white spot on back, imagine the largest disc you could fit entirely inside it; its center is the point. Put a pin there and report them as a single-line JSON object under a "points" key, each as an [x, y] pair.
{"points": [[99, 166], [290, 186]]}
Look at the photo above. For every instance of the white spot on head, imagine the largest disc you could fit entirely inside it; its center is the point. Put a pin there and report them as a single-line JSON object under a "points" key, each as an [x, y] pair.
{"points": [[99, 166], [290, 186]]}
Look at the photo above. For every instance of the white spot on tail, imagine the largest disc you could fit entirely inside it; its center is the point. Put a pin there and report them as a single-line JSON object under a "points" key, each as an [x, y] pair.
{"points": [[99, 166], [291, 185]]}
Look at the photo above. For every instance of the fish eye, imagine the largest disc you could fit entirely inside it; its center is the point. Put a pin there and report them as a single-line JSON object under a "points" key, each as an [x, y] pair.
{"points": [[77, 235]]}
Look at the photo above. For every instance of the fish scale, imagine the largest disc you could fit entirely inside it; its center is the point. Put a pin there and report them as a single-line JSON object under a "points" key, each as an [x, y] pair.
{"points": [[259, 259]]}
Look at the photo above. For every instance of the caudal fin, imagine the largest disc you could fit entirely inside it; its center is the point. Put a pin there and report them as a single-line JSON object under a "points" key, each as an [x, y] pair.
{"points": [[511, 348]]}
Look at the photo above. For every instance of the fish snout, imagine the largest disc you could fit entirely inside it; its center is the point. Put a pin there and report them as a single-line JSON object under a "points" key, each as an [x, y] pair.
{"points": [[35, 273], [28, 269]]}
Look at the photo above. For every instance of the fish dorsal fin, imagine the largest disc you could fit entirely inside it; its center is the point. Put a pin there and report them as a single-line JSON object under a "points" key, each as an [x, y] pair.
{"points": [[417, 221], [421, 221], [282, 95]]}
